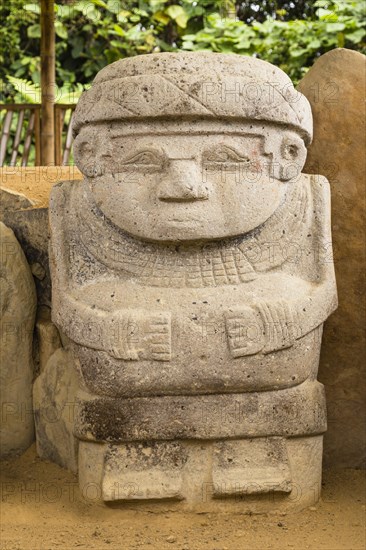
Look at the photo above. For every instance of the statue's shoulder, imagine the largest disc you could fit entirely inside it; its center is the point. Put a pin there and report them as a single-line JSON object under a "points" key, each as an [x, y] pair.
{"points": [[62, 215], [61, 195], [317, 185], [320, 206]]}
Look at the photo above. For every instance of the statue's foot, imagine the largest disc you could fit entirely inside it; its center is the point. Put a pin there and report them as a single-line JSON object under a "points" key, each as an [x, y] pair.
{"points": [[256, 475]]}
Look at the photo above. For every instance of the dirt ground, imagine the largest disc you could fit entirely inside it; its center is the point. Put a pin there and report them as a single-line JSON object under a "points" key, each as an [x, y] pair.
{"points": [[42, 509]]}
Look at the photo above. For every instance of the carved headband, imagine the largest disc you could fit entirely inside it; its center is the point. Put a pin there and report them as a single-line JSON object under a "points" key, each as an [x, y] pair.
{"points": [[228, 87]]}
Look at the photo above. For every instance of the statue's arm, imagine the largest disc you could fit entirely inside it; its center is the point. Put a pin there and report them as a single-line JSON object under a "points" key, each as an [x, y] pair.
{"points": [[128, 334], [272, 325]]}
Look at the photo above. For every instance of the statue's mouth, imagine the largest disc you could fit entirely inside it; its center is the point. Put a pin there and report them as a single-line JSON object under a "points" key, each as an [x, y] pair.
{"points": [[182, 220]]}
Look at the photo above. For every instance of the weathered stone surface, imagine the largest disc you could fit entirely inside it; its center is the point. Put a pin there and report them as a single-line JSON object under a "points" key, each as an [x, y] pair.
{"points": [[335, 87], [18, 307], [148, 471], [198, 480], [296, 411], [48, 336], [190, 272], [54, 409], [264, 460], [11, 200], [31, 230]]}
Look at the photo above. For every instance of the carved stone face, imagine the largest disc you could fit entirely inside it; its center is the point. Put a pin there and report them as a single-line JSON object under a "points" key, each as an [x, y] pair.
{"points": [[187, 182]]}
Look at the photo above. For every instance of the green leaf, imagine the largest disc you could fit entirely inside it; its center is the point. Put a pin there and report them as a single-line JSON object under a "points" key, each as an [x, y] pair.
{"points": [[161, 17], [314, 44], [174, 11], [188, 45], [34, 8], [60, 30], [143, 13], [114, 6], [243, 44], [356, 36], [100, 3], [334, 27], [182, 20], [178, 14], [29, 92], [298, 52], [34, 31], [78, 47], [123, 15], [116, 44], [325, 14], [119, 30]]}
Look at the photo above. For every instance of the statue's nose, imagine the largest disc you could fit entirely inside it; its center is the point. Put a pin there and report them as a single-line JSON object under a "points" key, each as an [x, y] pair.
{"points": [[183, 182]]}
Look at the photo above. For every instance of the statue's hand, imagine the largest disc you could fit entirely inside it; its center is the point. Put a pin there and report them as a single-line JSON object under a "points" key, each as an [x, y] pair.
{"points": [[265, 327], [245, 331], [137, 335]]}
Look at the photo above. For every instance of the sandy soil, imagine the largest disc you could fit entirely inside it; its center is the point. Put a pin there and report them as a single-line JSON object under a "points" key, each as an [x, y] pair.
{"points": [[42, 509]]}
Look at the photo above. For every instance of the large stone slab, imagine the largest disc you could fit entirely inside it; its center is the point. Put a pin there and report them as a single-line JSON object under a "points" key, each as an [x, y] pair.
{"points": [[18, 308], [335, 87]]}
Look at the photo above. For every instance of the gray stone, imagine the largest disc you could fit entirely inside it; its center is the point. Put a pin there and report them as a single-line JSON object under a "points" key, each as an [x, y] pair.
{"points": [[18, 308], [264, 461], [11, 200], [189, 272], [202, 479], [297, 411], [144, 471], [54, 409], [48, 336], [31, 229]]}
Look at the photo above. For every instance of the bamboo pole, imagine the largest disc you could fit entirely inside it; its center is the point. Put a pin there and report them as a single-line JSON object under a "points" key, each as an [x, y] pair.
{"points": [[48, 77], [58, 136]]}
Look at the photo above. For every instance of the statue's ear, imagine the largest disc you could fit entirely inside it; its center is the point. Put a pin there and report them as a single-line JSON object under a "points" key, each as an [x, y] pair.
{"points": [[85, 155], [292, 156]]}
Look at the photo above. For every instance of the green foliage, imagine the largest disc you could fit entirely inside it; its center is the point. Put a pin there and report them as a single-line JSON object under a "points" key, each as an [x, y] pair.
{"points": [[18, 52], [92, 33], [28, 92], [291, 45]]}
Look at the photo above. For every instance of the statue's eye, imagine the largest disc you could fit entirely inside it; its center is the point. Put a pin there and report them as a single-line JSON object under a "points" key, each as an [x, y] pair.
{"points": [[85, 148], [223, 154], [151, 159]]}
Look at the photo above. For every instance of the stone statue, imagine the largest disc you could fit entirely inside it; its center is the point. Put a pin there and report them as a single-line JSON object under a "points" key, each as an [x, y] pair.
{"points": [[192, 270]]}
